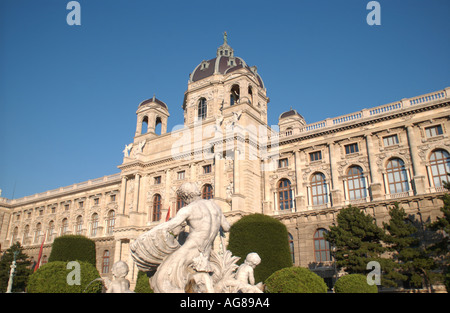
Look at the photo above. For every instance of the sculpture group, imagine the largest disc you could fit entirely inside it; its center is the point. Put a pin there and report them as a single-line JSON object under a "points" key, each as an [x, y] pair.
{"points": [[193, 266]]}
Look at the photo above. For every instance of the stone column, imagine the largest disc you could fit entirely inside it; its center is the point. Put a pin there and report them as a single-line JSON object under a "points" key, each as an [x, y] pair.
{"points": [[375, 188], [300, 196], [123, 194], [418, 176], [137, 180], [336, 192], [237, 201]]}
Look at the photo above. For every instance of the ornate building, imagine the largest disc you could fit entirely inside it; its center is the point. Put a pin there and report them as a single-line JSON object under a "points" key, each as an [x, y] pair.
{"points": [[301, 174]]}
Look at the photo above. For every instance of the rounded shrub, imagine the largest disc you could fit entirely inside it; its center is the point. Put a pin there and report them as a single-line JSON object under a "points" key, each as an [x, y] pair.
{"points": [[57, 277], [264, 235], [73, 247], [354, 283], [142, 283], [295, 280]]}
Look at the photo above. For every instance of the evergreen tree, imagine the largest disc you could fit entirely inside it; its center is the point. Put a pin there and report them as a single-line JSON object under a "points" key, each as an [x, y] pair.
{"points": [[356, 240], [22, 271], [410, 262], [440, 249]]}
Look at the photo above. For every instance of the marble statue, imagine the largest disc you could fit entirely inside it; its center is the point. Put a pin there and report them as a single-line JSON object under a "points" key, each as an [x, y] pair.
{"points": [[193, 266], [120, 284], [245, 274], [127, 150]]}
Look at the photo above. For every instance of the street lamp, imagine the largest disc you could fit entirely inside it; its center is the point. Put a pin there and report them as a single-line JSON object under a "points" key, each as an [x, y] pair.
{"points": [[11, 273]]}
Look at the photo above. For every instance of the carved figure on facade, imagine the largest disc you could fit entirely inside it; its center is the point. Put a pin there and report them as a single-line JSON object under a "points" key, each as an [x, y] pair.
{"points": [[127, 150]]}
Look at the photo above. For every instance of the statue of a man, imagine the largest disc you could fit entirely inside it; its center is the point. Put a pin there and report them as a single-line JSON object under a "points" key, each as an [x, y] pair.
{"points": [[191, 261]]}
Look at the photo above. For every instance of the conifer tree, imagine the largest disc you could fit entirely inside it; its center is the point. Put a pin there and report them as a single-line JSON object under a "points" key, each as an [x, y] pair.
{"points": [[22, 271], [356, 239], [409, 260], [441, 248]]}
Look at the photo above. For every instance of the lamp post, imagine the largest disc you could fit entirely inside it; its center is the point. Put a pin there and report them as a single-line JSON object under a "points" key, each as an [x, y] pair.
{"points": [[11, 273]]}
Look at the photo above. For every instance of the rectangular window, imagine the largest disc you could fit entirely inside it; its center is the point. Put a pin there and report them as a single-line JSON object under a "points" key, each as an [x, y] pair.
{"points": [[180, 175], [390, 140], [157, 180], [113, 198], [80, 204], [283, 163], [434, 131], [315, 156], [207, 169], [351, 148], [96, 201]]}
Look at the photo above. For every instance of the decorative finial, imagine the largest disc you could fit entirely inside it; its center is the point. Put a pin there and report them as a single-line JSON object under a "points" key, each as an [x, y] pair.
{"points": [[225, 38], [153, 97]]}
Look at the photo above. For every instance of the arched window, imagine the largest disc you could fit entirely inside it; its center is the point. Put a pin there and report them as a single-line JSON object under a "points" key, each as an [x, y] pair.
{"points": [[110, 222], [440, 167], [14, 236], [234, 94], [356, 183], [105, 262], [202, 109], [322, 251], [51, 229], [64, 226], [94, 224], [284, 194], [207, 192], [156, 208], [319, 190], [291, 247], [397, 176], [144, 127], [79, 225], [158, 126], [180, 203], [38, 232], [26, 234]]}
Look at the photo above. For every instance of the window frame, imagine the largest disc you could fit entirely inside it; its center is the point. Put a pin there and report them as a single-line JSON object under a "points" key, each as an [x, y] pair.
{"points": [[285, 195], [396, 175]]}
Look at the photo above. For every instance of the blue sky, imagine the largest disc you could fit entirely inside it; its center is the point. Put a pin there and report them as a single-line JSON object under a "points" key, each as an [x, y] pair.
{"points": [[68, 94]]}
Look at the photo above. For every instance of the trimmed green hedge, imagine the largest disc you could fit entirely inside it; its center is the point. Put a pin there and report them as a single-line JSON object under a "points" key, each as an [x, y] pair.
{"points": [[73, 247], [354, 283], [295, 280], [53, 278], [142, 283], [264, 235]]}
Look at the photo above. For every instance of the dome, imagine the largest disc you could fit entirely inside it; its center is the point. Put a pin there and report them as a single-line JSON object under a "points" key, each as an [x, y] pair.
{"points": [[154, 100], [290, 113], [225, 62]]}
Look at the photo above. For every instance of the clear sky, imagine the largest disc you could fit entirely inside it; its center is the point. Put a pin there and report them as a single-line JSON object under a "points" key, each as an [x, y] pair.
{"points": [[69, 94]]}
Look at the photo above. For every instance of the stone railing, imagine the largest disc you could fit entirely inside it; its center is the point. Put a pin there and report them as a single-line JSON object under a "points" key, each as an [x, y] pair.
{"points": [[367, 113], [61, 190]]}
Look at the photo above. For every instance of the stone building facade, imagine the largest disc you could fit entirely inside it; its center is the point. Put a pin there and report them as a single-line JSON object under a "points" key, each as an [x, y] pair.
{"points": [[299, 173]]}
